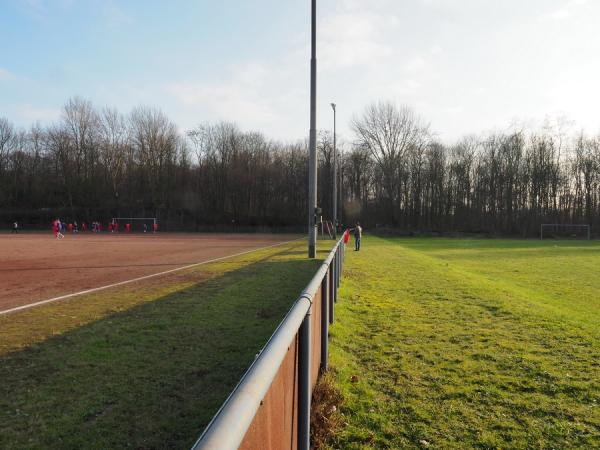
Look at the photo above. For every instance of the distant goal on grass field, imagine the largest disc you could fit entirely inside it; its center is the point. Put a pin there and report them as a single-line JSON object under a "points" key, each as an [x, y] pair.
{"points": [[564, 231], [138, 224]]}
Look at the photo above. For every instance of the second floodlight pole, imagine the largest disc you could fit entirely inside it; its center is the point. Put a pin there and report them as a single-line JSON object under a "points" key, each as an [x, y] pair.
{"points": [[335, 180], [312, 140]]}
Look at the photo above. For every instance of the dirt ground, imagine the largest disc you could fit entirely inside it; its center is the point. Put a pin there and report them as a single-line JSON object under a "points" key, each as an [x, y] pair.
{"points": [[35, 267]]}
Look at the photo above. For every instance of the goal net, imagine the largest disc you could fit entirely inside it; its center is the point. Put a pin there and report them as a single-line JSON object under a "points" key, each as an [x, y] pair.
{"points": [[135, 224], [561, 231]]}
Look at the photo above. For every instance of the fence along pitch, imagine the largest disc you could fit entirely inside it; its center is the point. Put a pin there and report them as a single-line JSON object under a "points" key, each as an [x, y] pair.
{"points": [[228, 427]]}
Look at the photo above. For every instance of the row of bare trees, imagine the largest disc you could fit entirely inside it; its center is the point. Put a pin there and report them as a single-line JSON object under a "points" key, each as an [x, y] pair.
{"points": [[98, 163], [502, 183]]}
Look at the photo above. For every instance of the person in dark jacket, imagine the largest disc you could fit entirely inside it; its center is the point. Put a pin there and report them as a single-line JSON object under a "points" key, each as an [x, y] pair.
{"points": [[357, 236]]}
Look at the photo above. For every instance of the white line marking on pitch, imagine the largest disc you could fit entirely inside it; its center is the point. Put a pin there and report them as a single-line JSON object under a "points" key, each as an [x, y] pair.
{"points": [[145, 277]]}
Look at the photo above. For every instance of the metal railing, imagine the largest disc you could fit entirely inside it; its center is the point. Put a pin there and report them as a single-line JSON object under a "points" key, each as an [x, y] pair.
{"points": [[270, 406]]}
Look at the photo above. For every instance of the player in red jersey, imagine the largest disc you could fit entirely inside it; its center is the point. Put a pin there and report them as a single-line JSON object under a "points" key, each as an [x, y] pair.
{"points": [[57, 229]]}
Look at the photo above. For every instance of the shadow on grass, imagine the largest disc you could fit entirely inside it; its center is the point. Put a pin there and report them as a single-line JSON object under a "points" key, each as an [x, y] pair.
{"points": [[152, 376]]}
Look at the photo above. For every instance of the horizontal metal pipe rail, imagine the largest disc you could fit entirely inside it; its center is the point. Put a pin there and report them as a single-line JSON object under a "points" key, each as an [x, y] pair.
{"points": [[228, 427]]}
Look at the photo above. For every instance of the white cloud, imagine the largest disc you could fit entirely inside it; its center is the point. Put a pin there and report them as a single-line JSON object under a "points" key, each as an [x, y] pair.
{"points": [[400, 88], [36, 9], [457, 109], [114, 15], [223, 100], [30, 113], [256, 95], [5, 74], [414, 64], [354, 38], [436, 50], [568, 10]]}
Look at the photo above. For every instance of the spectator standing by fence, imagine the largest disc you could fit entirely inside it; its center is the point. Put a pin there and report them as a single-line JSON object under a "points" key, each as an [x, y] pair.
{"points": [[357, 236]]}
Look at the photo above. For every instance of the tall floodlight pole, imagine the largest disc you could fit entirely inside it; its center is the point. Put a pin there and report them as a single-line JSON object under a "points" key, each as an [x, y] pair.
{"points": [[335, 178], [312, 140], [341, 186]]}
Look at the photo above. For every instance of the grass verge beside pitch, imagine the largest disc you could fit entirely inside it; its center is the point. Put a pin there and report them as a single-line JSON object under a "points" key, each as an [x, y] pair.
{"points": [[444, 343], [145, 365]]}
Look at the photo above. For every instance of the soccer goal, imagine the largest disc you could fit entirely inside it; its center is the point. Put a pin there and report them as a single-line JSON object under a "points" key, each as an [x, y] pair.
{"points": [[327, 227], [562, 231], [136, 224]]}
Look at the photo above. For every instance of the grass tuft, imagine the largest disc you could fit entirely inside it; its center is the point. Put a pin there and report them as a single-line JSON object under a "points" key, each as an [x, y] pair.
{"points": [[325, 417]]}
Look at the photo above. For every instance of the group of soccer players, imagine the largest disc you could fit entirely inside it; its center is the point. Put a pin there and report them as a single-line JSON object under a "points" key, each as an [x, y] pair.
{"points": [[59, 228]]}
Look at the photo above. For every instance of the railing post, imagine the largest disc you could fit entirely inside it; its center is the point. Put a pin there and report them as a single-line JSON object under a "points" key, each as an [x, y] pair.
{"points": [[337, 272], [334, 278], [330, 293], [304, 393], [324, 323]]}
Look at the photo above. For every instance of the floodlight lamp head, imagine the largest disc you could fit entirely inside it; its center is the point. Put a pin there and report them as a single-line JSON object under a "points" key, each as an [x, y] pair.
{"points": [[333, 106]]}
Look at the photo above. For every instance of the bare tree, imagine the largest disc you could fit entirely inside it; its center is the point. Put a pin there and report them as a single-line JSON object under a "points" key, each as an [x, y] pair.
{"points": [[154, 139], [113, 146], [7, 134], [80, 121], [389, 133]]}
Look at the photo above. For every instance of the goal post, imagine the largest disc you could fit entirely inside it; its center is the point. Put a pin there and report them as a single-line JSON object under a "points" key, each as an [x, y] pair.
{"points": [[139, 224], [327, 227], [565, 231]]}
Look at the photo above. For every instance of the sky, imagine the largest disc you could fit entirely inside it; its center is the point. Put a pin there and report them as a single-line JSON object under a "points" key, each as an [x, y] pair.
{"points": [[465, 66]]}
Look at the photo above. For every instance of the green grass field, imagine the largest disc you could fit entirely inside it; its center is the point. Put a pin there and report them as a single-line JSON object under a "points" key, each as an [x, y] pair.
{"points": [[438, 343], [145, 365], [457, 343]]}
